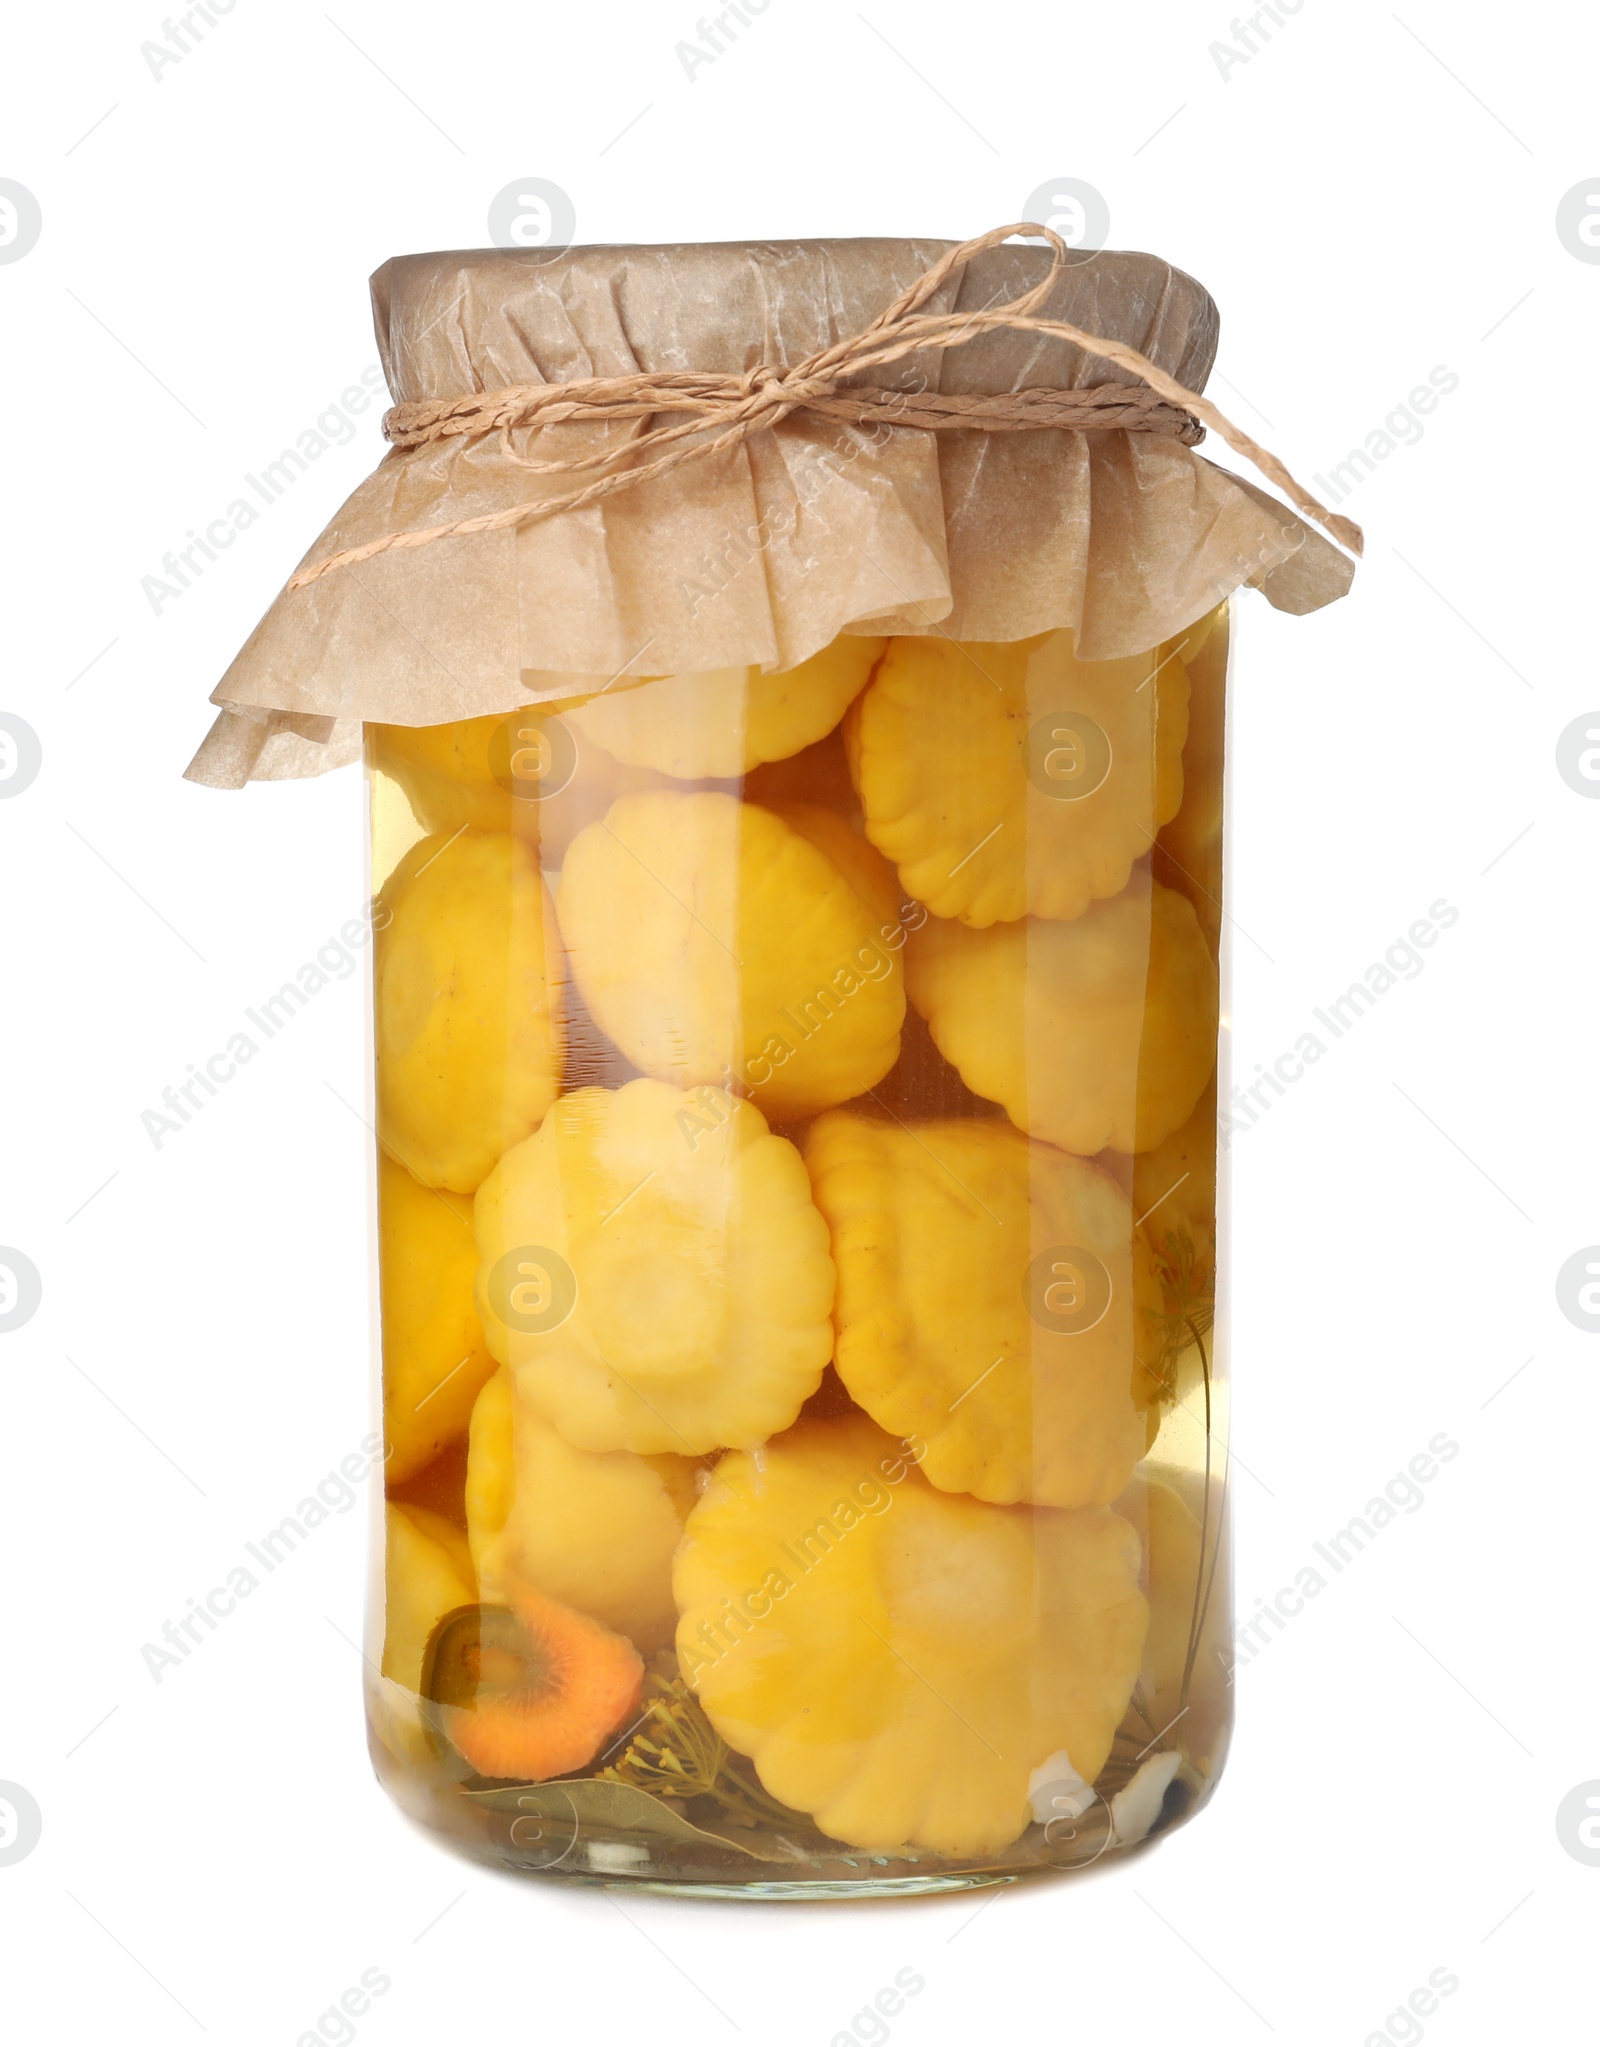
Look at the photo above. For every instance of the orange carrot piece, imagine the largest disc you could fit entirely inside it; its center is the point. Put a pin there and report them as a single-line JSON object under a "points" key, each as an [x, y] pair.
{"points": [[546, 1692]]}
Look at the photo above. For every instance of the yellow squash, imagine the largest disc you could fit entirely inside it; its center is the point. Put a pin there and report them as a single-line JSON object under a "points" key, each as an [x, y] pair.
{"points": [[427, 1574], [467, 992], [725, 721], [995, 1303], [593, 1529], [898, 1660], [653, 1268], [1007, 780], [1099, 1032], [434, 1356], [527, 772], [717, 942], [1188, 853]]}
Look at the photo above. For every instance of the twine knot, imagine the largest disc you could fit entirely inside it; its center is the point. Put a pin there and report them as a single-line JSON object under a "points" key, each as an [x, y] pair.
{"points": [[712, 413]]}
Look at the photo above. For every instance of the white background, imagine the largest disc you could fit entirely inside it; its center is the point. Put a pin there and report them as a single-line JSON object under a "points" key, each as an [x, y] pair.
{"points": [[1368, 197]]}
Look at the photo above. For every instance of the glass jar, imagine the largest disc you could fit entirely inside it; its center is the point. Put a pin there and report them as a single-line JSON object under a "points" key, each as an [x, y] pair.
{"points": [[797, 1103], [791, 679]]}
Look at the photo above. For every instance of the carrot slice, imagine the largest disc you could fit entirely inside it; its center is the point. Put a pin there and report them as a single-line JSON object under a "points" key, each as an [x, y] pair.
{"points": [[528, 1691]]}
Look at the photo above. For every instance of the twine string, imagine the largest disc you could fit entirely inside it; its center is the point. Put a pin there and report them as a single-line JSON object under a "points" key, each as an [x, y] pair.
{"points": [[711, 413]]}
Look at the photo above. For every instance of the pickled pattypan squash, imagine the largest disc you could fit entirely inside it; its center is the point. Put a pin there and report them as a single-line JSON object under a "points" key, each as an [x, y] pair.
{"points": [[1188, 852], [1094, 1033], [994, 1304], [721, 723], [718, 942], [1013, 779], [898, 1660], [527, 772], [653, 1269], [427, 1574], [434, 1356], [467, 980], [444, 771], [594, 1529]]}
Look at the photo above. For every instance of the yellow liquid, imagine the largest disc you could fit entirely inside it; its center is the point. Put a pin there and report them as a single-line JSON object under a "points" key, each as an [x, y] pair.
{"points": [[798, 1228]]}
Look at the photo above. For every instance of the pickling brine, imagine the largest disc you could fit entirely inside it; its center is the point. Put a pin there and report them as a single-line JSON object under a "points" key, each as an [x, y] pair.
{"points": [[797, 1103]]}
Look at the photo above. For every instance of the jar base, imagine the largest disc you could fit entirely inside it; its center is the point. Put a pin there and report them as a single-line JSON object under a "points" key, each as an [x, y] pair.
{"points": [[819, 1891], [553, 1848]]}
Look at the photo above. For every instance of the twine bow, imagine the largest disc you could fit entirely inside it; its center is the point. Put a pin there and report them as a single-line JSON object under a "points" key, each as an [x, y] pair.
{"points": [[714, 413]]}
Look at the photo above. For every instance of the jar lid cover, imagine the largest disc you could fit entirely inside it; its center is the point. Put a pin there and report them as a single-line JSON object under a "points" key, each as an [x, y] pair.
{"points": [[761, 553]]}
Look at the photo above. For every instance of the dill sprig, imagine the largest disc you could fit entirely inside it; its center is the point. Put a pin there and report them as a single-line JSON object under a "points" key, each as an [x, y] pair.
{"points": [[1189, 1307], [675, 1753]]}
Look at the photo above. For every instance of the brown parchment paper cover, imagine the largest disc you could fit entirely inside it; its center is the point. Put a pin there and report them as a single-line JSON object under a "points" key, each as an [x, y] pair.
{"points": [[764, 554]]}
